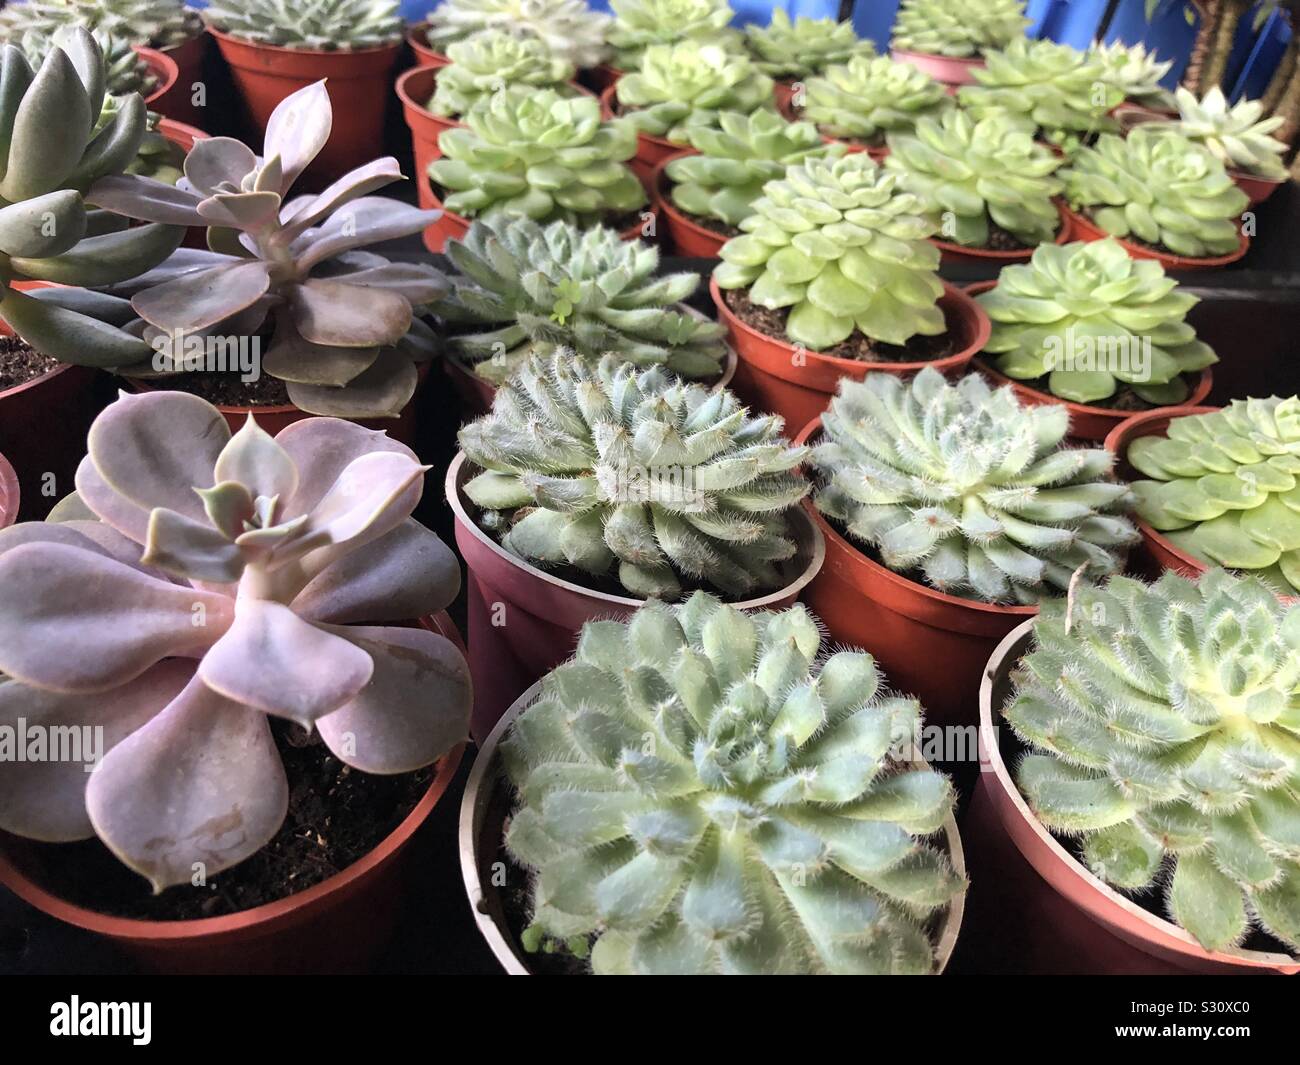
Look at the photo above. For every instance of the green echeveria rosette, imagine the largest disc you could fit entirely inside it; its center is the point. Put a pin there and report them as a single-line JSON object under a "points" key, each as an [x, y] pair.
{"points": [[977, 173], [317, 25], [959, 29], [493, 60], [1136, 73], [570, 29], [1226, 487], [1238, 135], [641, 24], [1157, 187], [870, 96], [789, 50], [1093, 321]]}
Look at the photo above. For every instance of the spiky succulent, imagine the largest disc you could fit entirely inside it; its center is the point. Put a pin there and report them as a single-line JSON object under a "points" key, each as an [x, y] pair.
{"points": [[235, 578], [1093, 320], [1135, 72], [569, 28], [525, 288], [1237, 135], [980, 173], [1164, 727], [491, 61], [681, 86], [1226, 486], [705, 791], [869, 96], [323, 25], [737, 159], [542, 154], [963, 485], [41, 27], [156, 23], [1158, 187], [958, 28], [842, 245], [636, 475], [789, 49], [638, 24]]}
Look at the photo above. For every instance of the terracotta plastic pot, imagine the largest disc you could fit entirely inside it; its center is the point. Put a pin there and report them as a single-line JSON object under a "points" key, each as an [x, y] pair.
{"points": [[523, 622], [783, 93], [177, 102], [482, 815], [1086, 229], [1257, 188], [1060, 917], [424, 55], [688, 237], [357, 83], [163, 67], [10, 494], [338, 925], [650, 150], [798, 385], [948, 70], [955, 254]]}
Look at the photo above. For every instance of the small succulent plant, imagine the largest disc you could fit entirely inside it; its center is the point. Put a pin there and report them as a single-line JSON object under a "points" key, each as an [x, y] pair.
{"points": [[1093, 320], [155, 23], [980, 173], [322, 25], [491, 61], [737, 159], [792, 49], [345, 337], [230, 575], [636, 475], [540, 154], [1158, 187], [639, 24], [958, 28], [39, 28], [569, 28], [529, 288], [965, 486], [842, 245], [1164, 728], [1135, 72], [681, 86], [1237, 135], [705, 791], [1225, 486], [870, 96]]}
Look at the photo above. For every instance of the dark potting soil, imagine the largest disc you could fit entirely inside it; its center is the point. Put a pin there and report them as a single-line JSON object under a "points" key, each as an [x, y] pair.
{"points": [[713, 225], [1002, 240], [856, 346], [20, 363], [336, 816], [1125, 399], [227, 389]]}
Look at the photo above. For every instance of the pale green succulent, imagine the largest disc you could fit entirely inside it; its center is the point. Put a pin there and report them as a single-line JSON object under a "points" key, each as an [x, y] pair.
{"points": [[1164, 730], [869, 96], [324, 25], [1237, 135], [569, 28], [966, 486], [39, 28], [639, 24], [155, 23], [1226, 486], [491, 61], [1135, 72], [958, 28], [1093, 320], [790, 50]]}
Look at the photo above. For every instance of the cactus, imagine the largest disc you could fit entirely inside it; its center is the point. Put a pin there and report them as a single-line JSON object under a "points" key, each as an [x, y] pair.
{"points": [[155, 23], [639, 24], [870, 96], [1225, 486], [963, 485], [569, 28], [958, 28], [1135, 72], [490, 61], [796, 49], [1164, 730], [322, 25], [636, 475], [1236, 135]]}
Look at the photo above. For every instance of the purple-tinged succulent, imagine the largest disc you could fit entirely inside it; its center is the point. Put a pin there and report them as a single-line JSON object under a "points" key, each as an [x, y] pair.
{"points": [[196, 583]]}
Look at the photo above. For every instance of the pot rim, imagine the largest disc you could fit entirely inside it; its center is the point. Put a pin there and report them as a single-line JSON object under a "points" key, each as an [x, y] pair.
{"points": [[10, 497], [1064, 235], [413, 37], [1088, 230], [171, 129], [230, 38], [5, 330], [961, 60], [163, 66]]}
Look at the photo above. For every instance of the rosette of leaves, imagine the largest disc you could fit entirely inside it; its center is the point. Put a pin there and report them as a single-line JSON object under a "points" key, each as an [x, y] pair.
{"points": [[686, 85], [37, 29], [489, 62], [704, 791], [1158, 187], [844, 247], [537, 153], [526, 288], [1072, 314], [737, 159], [966, 486], [792, 49], [958, 28], [1135, 72], [1164, 723], [155, 23], [1226, 486], [569, 28], [978, 174], [235, 579], [869, 96], [1236, 134], [639, 24], [321, 25]]}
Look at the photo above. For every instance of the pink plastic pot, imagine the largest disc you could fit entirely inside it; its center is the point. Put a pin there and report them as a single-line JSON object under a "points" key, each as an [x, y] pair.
{"points": [[954, 254], [1087, 230], [948, 70], [9, 494], [650, 150], [164, 70], [177, 101], [424, 55]]}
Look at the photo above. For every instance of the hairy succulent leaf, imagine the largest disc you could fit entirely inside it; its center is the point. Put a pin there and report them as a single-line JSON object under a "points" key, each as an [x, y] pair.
{"points": [[870, 96], [490, 61], [569, 28], [958, 28], [639, 24], [323, 25], [799, 48]]}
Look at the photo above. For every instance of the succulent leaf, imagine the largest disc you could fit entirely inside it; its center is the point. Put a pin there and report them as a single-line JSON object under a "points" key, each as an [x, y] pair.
{"points": [[490, 61], [569, 28], [639, 24], [1237, 134], [1135, 72], [799, 48]]}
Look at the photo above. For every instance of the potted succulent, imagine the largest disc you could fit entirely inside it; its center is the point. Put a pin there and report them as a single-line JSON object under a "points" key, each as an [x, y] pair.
{"points": [[10, 494], [1087, 325], [589, 488], [1219, 487], [1161, 195], [950, 511], [798, 834], [704, 195], [251, 594], [1161, 840], [640, 24], [791, 51], [833, 276], [1136, 73], [274, 50], [570, 29], [948, 39], [38, 29]]}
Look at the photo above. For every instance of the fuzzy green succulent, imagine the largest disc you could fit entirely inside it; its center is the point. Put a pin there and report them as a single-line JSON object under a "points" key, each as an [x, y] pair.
{"points": [[155, 23], [979, 173], [639, 24], [844, 247], [958, 28], [1093, 320], [869, 96], [705, 791], [39, 28], [1226, 486], [737, 159], [526, 288], [1237, 134], [1164, 730], [966, 486], [636, 475], [1135, 72], [324, 25], [490, 61], [569, 28], [792, 49], [1158, 187], [681, 86]]}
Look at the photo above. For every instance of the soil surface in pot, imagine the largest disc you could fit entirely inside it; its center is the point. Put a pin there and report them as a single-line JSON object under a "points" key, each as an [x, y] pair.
{"points": [[20, 363], [856, 346], [336, 816], [713, 225], [227, 389], [1123, 400], [999, 240]]}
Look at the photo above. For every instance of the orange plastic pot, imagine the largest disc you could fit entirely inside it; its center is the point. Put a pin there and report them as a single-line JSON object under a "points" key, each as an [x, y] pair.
{"points": [[955, 254], [177, 102], [10, 494], [776, 377], [952, 71], [688, 237], [1258, 189], [650, 150], [164, 70], [1087, 230], [424, 55]]}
